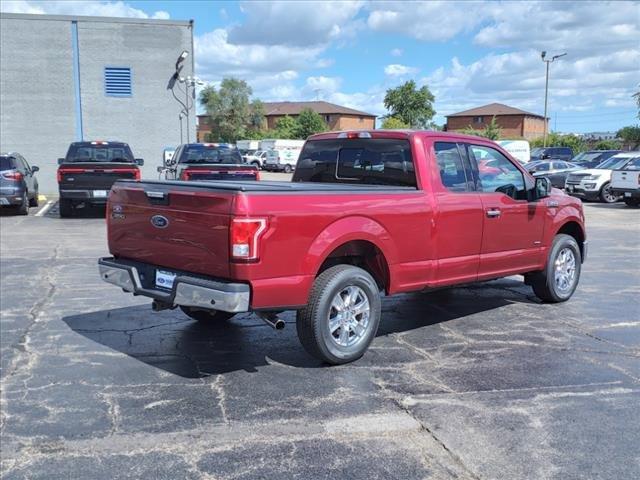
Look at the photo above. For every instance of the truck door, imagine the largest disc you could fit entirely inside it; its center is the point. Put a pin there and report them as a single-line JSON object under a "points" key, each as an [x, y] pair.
{"points": [[459, 217], [512, 226]]}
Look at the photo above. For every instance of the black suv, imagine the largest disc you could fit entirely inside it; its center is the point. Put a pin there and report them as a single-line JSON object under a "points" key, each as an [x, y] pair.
{"points": [[18, 184], [86, 174], [552, 153], [593, 158]]}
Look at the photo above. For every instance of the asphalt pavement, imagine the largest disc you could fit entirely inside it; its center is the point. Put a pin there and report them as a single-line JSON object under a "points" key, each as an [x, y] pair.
{"points": [[483, 382]]}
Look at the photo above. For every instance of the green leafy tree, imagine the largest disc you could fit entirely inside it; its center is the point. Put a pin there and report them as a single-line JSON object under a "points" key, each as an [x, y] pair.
{"points": [[394, 123], [492, 131], [229, 109], [608, 145], [308, 123], [630, 135], [287, 127], [410, 105], [576, 143]]}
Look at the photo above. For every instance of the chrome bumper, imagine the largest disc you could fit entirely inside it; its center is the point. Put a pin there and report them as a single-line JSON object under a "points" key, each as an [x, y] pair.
{"points": [[187, 290]]}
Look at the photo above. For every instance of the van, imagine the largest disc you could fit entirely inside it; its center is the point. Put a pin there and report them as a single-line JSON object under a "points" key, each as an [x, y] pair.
{"points": [[282, 154], [519, 149]]}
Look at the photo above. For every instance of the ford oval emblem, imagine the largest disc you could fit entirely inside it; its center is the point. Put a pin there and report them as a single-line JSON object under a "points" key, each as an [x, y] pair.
{"points": [[159, 221]]}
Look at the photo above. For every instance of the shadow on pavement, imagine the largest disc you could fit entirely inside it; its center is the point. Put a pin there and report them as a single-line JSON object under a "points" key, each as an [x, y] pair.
{"points": [[171, 341]]}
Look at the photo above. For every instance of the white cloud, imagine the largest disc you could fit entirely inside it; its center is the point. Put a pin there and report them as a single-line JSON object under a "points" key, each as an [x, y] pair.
{"points": [[79, 7], [323, 85], [396, 52], [299, 23], [397, 70]]}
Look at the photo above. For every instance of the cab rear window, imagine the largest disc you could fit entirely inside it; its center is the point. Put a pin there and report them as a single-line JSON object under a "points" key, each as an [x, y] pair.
{"points": [[210, 154], [99, 153], [357, 161]]}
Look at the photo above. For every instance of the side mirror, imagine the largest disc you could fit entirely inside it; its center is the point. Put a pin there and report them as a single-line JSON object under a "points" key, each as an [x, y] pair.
{"points": [[545, 156], [161, 169], [542, 188], [139, 161], [35, 168], [60, 161]]}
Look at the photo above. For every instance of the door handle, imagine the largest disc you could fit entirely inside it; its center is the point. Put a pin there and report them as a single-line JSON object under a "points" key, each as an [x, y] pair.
{"points": [[493, 213]]}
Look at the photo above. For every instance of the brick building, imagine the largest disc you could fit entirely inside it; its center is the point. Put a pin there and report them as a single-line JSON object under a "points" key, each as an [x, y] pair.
{"points": [[335, 116], [515, 123]]}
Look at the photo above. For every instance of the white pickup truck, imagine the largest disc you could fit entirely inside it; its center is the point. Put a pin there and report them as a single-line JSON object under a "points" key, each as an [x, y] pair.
{"points": [[626, 182]]}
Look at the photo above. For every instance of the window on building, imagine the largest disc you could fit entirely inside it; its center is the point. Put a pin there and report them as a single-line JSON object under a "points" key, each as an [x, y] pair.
{"points": [[117, 81], [478, 119], [361, 119], [327, 118]]}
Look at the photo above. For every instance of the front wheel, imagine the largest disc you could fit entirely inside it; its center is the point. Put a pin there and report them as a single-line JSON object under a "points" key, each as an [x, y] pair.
{"points": [[557, 282], [206, 316], [342, 316], [256, 164], [606, 195], [287, 168], [34, 201]]}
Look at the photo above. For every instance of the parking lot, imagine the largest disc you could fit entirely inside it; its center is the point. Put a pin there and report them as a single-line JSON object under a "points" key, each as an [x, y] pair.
{"points": [[478, 382]]}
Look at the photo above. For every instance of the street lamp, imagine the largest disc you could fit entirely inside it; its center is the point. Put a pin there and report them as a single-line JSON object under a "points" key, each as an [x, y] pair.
{"points": [[546, 91]]}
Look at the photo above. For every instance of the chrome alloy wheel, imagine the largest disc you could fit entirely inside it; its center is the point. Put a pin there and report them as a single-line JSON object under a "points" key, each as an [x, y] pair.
{"points": [[349, 316], [609, 196], [565, 270]]}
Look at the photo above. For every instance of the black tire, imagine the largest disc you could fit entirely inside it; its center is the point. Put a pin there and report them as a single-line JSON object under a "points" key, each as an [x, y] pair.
{"points": [[23, 208], [606, 196], [256, 163], [632, 202], [66, 208], [544, 283], [34, 201], [312, 322], [287, 168], [206, 316]]}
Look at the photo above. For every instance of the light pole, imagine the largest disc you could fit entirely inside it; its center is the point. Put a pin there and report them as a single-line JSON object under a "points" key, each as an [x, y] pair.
{"points": [[546, 91], [181, 116], [189, 81]]}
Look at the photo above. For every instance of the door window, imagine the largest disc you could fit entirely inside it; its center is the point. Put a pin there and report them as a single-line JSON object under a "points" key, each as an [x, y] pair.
{"points": [[452, 171], [497, 173]]}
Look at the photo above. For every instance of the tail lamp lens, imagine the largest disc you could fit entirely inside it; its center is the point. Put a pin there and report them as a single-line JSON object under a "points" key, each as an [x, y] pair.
{"points": [[185, 175], [245, 237], [17, 176]]}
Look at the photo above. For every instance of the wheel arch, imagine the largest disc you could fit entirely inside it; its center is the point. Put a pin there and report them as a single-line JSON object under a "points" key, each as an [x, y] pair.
{"points": [[575, 230]]}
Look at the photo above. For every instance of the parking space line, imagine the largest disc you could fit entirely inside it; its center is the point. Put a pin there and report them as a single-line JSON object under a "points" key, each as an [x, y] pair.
{"points": [[45, 209]]}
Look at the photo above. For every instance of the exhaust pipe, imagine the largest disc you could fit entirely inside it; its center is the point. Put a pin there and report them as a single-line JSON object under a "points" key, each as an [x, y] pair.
{"points": [[272, 320], [158, 306]]}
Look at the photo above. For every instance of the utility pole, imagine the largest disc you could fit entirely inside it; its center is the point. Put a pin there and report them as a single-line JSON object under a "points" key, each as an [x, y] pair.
{"points": [[546, 92]]}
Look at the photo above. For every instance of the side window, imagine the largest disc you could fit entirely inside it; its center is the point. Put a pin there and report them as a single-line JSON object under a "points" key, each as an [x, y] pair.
{"points": [[543, 167], [452, 172], [20, 164], [497, 173]]}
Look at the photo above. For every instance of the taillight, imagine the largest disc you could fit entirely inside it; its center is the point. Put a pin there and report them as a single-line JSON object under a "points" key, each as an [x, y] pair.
{"points": [[17, 176], [136, 174], [245, 236], [64, 171], [185, 175], [257, 174]]}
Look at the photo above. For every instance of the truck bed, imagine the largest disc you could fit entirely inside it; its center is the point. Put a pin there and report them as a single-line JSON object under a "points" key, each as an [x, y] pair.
{"points": [[265, 186]]}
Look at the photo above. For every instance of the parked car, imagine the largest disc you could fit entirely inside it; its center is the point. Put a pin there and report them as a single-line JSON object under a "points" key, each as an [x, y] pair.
{"points": [[282, 155], [626, 182], [87, 172], [366, 213], [595, 183], [593, 158], [18, 184], [555, 170], [552, 153], [256, 158], [208, 161]]}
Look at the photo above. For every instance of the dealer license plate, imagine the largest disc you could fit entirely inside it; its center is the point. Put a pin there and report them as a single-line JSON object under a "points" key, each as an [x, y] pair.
{"points": [[100, 193], [165, 279], [627, 194]]}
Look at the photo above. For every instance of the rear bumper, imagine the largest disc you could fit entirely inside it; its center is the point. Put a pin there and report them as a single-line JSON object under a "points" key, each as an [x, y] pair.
{"points": [[11, 200], [187, 290], [626, 192], [84, 195]]}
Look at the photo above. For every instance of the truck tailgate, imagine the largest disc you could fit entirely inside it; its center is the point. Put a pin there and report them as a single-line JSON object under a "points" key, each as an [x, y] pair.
{"points": [[173, 226], [625, 179], [94, 175]]}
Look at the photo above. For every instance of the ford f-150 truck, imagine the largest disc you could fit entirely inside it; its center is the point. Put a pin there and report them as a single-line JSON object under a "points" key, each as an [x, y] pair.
{"points": [[87, 172], [366, 214], [208, 161]]}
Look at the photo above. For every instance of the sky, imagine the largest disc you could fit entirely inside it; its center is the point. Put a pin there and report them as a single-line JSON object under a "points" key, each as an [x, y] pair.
{"points": [[468, 53]]}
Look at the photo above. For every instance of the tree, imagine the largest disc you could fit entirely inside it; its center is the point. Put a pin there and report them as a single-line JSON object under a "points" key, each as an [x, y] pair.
{"points": [[309, 122], [412, 106], [229, 109], [608, 145], [492, 131], [630, 135], [576, 143], [393, 123], [287, 127]]}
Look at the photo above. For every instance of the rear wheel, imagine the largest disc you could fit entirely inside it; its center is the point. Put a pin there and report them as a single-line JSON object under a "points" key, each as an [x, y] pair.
{"points": [[206, 315], [23, 209], [342, 316], [66, 208], [557, 282], [632, 202], [287, 168], [606, 195]]}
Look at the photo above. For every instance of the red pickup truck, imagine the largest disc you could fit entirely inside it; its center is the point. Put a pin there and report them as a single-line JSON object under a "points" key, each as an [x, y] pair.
{"points": [[366, 214]]}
